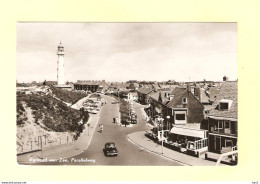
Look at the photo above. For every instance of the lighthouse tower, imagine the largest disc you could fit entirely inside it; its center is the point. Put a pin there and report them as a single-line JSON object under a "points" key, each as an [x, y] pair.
{"points": [[60, 67]]}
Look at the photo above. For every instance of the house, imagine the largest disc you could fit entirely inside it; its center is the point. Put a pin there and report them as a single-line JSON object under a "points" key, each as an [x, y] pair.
{"points": [[133, 86], [143, 94], [132, 96], [181, 114], [180, 104], [158, 100], [115, 87], [222, 119], [93, 86], [184, 107]]}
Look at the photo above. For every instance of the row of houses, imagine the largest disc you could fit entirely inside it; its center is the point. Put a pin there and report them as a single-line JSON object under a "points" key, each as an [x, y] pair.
{"points": [[204, 119]]}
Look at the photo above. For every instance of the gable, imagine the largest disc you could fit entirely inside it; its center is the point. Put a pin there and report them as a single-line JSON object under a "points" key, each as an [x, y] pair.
{"points": [[177, 101]]}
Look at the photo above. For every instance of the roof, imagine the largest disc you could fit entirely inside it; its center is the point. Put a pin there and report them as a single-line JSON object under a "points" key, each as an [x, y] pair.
{"points": [[90, 82], [204, 97], [213, 92], [228, 91], [156, 86], [155, 95], [119, 85], [168, 87], [145, 90], [177, 93]]}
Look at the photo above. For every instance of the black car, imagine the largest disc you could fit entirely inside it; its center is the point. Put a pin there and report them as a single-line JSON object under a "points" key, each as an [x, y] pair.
{"points": [[110, 149]]}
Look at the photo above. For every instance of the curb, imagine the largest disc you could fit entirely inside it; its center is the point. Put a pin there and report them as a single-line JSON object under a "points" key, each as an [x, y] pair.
{"points": [[184, 164], [25, 163], [23, 153]]}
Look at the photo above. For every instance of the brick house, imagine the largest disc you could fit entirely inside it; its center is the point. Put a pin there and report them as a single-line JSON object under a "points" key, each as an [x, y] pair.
{"points": [[186, 113], [184, 107], [222, 120], [143, 94]]}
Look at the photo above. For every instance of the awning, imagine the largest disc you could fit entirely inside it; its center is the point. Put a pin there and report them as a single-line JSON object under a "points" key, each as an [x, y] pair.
{"points": [[189, 132]]}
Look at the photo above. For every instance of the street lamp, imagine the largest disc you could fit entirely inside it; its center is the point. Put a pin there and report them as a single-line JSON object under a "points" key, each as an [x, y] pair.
{"points": [[160, 119], [168, 118]]}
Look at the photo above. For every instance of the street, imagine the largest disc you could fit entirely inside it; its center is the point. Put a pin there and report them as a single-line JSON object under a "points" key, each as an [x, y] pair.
{"points": [[129, 154]]}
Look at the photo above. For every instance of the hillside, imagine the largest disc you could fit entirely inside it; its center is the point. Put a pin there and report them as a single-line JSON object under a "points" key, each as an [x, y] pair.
{"points": [[67, 96], [49, 111]]}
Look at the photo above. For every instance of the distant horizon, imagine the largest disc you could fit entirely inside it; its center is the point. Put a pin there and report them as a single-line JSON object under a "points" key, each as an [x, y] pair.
{"points": [[131, 80], [122, 51]]}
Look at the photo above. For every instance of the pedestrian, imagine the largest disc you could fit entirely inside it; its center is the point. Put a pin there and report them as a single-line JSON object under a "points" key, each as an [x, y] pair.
{"points": [[102, 127]]}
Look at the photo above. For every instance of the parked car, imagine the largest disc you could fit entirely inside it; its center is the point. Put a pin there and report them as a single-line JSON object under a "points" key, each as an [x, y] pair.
{"points": [[114, 102], [133, 121], [93, 111], [110, 149]]}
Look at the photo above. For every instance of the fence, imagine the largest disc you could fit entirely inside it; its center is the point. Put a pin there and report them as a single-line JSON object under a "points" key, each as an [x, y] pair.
{"points": [[31, 143]]}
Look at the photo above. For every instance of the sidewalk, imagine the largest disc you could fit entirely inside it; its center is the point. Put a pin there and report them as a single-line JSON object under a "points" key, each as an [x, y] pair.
{"points": [[142, 141], [65, 150]]}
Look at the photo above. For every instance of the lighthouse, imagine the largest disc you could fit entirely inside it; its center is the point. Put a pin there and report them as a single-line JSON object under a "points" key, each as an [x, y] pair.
{"points": [[60, 65]]}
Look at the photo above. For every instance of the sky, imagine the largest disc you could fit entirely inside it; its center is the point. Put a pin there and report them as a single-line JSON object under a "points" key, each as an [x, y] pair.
{"points": [[127, 51]]}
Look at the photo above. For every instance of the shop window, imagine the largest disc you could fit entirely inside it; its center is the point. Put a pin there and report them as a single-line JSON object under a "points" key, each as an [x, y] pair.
{"points": [[180, 116], [228, 143]]}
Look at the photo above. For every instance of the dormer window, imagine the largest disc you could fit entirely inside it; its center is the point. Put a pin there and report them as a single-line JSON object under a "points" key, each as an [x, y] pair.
{"points": [[170, 97], [184, 100], [225, 104]]}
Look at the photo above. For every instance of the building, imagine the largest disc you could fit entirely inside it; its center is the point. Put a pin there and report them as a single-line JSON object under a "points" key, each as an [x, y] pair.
{"points": [[222, 120], [60, 65], [92, 86], [181, 115], [132, 96], [143, 94], [158, 100], [133, 86], [184, 107]]}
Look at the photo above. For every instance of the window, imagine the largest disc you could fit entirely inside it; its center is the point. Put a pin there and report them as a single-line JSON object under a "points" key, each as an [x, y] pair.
{"points": [[227, 124], [228, 143], [184, 100], [218, 125], [180, 116], [233, 127], [223, 106], [227, 127]]}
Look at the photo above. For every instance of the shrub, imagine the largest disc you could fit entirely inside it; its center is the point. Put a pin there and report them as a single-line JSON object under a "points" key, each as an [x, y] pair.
{"points": [[68, 96], [54, 114], [124, 110]]}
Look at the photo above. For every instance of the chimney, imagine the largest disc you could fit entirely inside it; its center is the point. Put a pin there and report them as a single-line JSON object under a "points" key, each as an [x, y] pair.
{"points": [[197, 93], [160, 97], [225, 78], [188, 88]]}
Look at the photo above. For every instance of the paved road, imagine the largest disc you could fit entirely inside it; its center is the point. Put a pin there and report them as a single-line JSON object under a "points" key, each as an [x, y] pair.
{"points": [[129, 154]]}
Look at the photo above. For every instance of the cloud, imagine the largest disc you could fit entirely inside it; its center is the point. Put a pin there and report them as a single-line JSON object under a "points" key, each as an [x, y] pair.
{"points": [[123, 51]]}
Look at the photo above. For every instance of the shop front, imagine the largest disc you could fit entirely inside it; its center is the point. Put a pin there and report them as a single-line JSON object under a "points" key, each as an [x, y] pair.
{"points": [[187, 139]]}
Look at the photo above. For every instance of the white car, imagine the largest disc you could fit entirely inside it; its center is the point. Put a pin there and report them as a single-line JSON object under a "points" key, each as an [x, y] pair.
{"points": [[93, 111]]}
